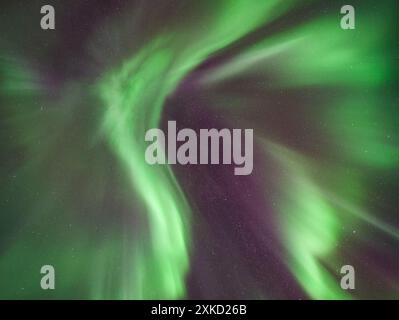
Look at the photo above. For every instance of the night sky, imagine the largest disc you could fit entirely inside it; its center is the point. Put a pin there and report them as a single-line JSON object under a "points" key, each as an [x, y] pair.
{"points": [[77, 194]]}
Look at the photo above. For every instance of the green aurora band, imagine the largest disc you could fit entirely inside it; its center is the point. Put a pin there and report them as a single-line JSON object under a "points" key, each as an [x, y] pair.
{"points": [[134, 96], [312, 201]]}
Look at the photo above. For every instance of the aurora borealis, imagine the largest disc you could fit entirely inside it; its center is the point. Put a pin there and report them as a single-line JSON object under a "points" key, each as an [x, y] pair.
{"points": [[77, 194]]}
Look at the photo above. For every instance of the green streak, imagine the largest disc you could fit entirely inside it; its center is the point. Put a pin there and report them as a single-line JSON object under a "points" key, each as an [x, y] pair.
{"points": [[364, 129], [319, 53], [310, 227], [134, 95]]}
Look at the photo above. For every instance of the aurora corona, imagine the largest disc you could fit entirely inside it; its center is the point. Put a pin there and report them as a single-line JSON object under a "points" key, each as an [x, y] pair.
{"points": [[312, 182]]}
